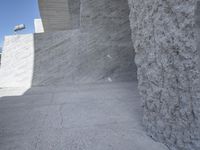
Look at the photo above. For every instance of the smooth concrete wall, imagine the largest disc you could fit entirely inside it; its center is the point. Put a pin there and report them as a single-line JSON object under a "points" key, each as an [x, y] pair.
{"points": [[99, 51], [38, 26], [73, 57], [59, 15], [62, 58], [17, 61], [0, 59]]}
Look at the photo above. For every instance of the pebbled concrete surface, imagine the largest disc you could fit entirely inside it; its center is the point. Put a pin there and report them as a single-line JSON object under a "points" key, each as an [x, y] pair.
{"points": [[165, 35], [87, 117]]}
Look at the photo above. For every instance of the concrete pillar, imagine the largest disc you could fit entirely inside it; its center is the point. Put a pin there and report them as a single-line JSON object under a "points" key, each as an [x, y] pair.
{"points": [[165, 35]]}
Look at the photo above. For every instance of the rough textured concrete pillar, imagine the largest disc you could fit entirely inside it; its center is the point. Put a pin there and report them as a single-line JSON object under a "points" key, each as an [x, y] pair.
{"points": [[165, 34]]}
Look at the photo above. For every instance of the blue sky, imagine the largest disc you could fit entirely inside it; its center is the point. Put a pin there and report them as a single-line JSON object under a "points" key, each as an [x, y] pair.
{"points": [[13, 12]]}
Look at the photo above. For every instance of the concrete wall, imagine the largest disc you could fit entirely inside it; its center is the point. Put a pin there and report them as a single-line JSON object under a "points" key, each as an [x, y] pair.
{"points": [[58, 15], [73, 57], [17, 61], [164, 35], [62, 58], [99, 51], [0, 59], [38, 26]]}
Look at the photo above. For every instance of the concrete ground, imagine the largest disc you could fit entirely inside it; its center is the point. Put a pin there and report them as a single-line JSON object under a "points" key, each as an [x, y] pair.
{"points": [[87, 117]]}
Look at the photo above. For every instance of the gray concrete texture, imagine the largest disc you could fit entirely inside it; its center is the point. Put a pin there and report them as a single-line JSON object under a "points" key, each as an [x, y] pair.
{"points": [[87, 117], [70, 57], [60, 14], [165, 36], [99, 51]]}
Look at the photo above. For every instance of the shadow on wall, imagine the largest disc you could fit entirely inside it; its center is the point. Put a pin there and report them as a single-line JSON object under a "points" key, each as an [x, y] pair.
{"points": [[100, 50]]}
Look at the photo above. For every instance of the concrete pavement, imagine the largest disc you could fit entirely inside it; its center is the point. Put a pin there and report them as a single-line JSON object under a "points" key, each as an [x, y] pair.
{"points": [[86, 117]]}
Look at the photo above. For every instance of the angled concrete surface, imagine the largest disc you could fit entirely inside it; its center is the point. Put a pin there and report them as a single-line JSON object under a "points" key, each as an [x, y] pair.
{"points": [[70, 57], [87, 117], [66, 57], [100, 50]]}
